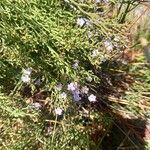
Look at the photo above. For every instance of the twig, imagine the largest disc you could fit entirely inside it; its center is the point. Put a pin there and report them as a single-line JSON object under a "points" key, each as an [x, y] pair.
{"points": [[138, 18], [123, 141], [126, 136]]}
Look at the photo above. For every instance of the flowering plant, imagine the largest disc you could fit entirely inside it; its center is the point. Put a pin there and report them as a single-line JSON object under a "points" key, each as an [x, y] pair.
{"points": [[51, 54]]}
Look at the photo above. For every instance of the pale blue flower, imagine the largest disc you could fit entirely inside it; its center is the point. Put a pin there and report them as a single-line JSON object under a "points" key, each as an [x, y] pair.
{"points": [[98, 1], [36, 105], [81, 21], [106, 1], [26, 75], [108, 45], [58, 111], [76, 64], [92, 98], [72, 86], [38, 82], [25, 78], [27, 71], [67, 1], [84, 90], [63, 95]]}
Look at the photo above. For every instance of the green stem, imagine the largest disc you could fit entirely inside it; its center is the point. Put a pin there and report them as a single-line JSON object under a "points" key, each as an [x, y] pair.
{"points": [[17, 87], [54, 129], [120, 7], [122, 20]]}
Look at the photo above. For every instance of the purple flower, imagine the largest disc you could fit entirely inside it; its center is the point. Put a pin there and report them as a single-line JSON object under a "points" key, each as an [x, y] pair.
{"points": [[38, 82], [72, 86], [76, 95]]}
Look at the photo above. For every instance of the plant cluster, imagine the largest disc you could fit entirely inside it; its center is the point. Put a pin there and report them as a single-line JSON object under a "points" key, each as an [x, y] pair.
{"points": [[51, 55]]}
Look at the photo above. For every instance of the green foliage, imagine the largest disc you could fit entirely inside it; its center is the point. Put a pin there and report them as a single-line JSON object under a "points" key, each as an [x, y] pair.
{"points": [[47, 37]]}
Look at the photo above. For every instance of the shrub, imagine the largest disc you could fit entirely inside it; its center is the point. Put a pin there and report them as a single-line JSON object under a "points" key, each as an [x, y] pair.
{"points": [[51, 56]]}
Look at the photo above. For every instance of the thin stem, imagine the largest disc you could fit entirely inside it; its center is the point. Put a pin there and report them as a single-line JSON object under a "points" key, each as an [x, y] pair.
{"points": [[16, 88], [120, 7], [55, 123], [122, 20]]}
